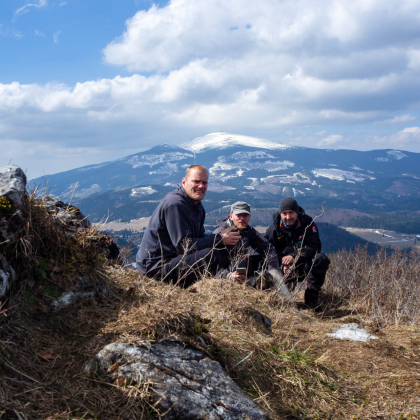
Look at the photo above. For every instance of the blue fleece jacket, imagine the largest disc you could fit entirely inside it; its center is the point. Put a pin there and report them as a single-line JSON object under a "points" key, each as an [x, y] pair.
{"points": [[176, 218]]}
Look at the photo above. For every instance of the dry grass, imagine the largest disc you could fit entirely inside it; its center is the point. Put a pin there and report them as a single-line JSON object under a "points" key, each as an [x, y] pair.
{"points": [[384, 288], [292, 372]]}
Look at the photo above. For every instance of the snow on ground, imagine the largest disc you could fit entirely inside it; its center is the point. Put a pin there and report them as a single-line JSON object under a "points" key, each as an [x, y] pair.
{"points": [[296, 178], [152, 160], [142, 191], [339, 175], [94, 188], [216, 187], [225, 140], [392, 155], [169, 168], [396, 154], [352, 332], [297, 192], [93, 167], [227, 164]]}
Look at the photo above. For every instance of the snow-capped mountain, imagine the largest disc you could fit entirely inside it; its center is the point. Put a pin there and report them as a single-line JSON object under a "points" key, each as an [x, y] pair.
{"points": [[247, 168], [222, 140]]}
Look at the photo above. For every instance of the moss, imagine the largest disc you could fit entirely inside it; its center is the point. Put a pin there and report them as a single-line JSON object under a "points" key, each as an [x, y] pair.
{"points": [[5, 206]]}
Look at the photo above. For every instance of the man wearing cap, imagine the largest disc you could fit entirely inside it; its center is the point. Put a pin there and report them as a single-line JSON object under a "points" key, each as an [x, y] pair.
{"points": [[237, 256], [174, 247], [295, 237]]}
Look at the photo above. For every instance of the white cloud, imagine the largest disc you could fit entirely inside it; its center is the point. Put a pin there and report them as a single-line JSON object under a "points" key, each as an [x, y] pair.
{"points": [[408, 134], [258, 68], [55, 36], [331, 139], [26, 7], [39, 33], [400, 119]]}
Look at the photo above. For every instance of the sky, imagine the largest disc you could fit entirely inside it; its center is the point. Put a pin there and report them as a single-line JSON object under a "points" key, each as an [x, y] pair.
{"points": [[88, 81]]}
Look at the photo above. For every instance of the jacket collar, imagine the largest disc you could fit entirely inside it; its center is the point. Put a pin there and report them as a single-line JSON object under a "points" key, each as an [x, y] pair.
{"points": [[192, 203]]}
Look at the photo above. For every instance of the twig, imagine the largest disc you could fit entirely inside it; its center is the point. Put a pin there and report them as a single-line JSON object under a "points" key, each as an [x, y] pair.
{"points": [[243, 360]]}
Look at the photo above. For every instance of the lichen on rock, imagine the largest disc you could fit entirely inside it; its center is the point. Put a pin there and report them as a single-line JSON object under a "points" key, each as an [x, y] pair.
{"points": [[187, 384]]}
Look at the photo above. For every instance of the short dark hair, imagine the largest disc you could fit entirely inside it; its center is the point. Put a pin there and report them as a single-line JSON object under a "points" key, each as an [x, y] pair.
{"points": [[198, 167]]}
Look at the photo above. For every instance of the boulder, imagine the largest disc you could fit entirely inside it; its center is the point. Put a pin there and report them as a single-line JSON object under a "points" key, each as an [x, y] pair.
{"points": [[12, 202], [13, 185], [187, 384]]}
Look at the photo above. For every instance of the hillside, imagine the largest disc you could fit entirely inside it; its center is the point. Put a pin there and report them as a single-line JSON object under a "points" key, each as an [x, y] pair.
{"points": [[73, 324]]}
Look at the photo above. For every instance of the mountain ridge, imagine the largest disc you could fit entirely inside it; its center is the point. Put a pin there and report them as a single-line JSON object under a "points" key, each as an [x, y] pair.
{"points": [[362, 180]]}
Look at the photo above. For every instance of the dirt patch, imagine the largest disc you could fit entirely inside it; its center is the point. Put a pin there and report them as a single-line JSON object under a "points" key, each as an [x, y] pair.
{"points": [[385, 237], [136, 224]]}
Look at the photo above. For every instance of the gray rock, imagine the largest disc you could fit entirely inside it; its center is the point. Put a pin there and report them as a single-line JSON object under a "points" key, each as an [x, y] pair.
{"points": [[185, 381], [69, 216], [84, 289], [352, 332], [7, 276], [13, 185]]}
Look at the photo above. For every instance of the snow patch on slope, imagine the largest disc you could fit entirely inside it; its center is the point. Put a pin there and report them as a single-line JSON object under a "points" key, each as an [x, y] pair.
{"points": [[224, 140], [339, 175], [151, 160], [396, 154], [392, 155], [231, 163], [142, 191]]}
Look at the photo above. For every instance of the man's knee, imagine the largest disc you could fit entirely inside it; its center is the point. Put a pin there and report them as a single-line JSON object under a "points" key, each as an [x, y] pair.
{"points": [[321, 261], [216, 257]]}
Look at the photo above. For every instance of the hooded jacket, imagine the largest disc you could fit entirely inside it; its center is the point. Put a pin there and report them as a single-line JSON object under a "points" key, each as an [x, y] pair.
{"points": [[176, 220], [302, 240], [250, 237]]}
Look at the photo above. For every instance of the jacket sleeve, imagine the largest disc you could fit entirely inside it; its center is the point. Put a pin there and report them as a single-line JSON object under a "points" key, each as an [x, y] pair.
{"points": [[179, 229], [264, 248], [311, 243]]}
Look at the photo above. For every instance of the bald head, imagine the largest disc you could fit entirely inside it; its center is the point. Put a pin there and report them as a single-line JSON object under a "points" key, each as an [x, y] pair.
{"points": [[197, 168]]}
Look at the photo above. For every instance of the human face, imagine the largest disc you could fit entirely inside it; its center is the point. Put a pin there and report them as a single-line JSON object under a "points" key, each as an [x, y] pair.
{"points": [[196, 184], [289, 217], [240, 220]]}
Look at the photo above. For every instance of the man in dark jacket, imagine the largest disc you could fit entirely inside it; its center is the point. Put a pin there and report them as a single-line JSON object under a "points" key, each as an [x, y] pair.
{"points": [[295, 237], [174, 247], [237, 257]]}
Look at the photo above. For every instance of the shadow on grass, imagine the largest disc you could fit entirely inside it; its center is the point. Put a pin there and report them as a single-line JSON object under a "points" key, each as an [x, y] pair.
{"points": [[43, 355]]}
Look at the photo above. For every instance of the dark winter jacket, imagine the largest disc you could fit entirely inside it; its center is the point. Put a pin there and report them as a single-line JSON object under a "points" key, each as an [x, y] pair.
{"points": [[250, 237], [176, 218], [303, 239]]}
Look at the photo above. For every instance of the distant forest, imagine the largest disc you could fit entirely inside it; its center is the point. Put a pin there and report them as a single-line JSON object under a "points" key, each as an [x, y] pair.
{"points": [[398, 221], [334, 239]]}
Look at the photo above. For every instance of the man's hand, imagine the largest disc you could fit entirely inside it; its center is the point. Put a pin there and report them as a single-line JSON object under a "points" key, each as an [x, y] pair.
{"points": [[287, 262], [230, 237], [237, 278]]}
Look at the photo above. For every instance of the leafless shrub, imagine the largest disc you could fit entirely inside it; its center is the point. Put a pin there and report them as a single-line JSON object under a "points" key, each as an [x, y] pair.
{"points": [[383, 288]]}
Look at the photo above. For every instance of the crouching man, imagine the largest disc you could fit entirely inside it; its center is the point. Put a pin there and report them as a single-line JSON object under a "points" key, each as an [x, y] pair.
{"points": [[174, 247], [295, 238], [260, 270]]}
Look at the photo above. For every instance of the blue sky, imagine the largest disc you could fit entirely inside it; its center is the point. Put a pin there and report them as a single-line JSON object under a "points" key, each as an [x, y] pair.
{"points": [[83, 82]]}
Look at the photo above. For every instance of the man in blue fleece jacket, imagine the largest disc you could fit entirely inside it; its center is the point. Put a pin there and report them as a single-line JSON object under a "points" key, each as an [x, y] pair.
{"points": [[174, 247]]}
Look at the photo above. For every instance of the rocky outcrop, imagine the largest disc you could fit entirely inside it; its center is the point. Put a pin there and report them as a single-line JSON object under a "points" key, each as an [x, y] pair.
{"points": [[13, 185], [187, 384], [70, 217], [12, 202]]}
